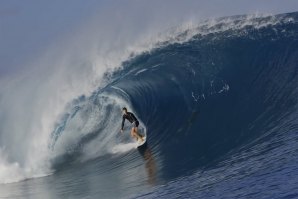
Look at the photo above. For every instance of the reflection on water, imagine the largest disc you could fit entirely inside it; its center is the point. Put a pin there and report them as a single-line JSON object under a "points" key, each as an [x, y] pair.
{"points": [[150, 164]]}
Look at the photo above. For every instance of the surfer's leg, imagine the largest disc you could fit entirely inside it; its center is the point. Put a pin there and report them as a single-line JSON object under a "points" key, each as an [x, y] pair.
{"points": [[132, 133], [135, 127], [137, 133]]}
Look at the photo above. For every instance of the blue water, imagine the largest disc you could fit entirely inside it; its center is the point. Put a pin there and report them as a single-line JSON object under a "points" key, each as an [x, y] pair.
{"points": [[220, 114]]}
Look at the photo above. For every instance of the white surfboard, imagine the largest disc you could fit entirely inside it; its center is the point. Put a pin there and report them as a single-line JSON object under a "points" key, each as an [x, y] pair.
{"points": [[140, 143]]}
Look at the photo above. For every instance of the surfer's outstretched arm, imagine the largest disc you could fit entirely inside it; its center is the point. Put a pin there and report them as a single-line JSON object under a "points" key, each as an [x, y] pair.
{"points": [[122, 125]]}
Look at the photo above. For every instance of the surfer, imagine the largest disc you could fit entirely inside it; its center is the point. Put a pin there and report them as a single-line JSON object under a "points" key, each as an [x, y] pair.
{"points": [[132, 119]]}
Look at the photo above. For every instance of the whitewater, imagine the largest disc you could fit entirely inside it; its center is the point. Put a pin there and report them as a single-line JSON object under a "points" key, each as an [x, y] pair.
{"points": [[217, 100]]}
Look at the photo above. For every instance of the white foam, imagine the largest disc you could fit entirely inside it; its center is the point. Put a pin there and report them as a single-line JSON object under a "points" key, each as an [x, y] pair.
{"points": [[140, 71], [122, 148]]}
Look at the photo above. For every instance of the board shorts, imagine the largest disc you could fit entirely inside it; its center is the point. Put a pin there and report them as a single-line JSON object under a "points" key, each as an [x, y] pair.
{"points": [[135, 124]]}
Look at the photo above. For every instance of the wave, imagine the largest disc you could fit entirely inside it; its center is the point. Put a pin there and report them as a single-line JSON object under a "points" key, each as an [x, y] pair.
{"points": [[199, 93], [200, 97]]}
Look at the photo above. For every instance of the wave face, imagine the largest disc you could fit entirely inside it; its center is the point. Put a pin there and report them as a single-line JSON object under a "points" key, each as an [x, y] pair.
{"points": [[217, 92], [218, 105]]}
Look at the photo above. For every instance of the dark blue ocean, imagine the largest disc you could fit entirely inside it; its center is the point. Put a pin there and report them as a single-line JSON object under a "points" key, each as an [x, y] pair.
{"points": [[218, 106]]}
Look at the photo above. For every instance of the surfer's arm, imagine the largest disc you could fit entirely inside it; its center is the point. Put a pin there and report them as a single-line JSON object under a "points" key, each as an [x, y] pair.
{"points": [[122, 125]]}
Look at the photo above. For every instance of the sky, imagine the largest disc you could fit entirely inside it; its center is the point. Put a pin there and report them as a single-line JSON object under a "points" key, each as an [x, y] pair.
{"points": [[28, 28]]}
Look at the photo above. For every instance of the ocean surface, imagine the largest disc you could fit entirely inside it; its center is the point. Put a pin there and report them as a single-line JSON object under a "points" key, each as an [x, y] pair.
{"points": [[218, 104]]}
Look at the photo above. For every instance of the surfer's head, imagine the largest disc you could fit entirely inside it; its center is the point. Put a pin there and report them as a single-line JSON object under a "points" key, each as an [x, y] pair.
{"points": [[124, 110]]}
